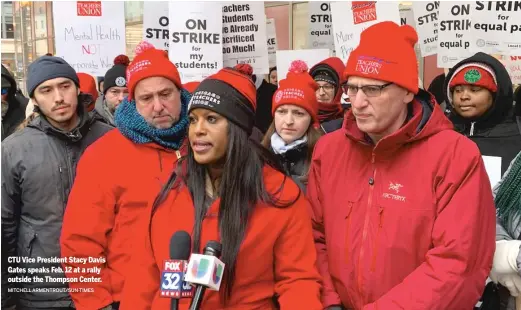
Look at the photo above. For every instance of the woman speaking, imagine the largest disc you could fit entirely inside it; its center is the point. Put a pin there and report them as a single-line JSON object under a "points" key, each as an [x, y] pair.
{"points": [[230, 190]]}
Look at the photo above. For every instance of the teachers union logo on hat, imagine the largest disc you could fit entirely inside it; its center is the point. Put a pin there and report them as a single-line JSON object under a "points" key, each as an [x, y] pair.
{"points": [[120, 81], [278, 96]]}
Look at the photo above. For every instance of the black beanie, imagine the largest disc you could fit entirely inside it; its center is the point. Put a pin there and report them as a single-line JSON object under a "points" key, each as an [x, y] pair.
{"points": [[47, 68], [323, 72], [116, 76]]}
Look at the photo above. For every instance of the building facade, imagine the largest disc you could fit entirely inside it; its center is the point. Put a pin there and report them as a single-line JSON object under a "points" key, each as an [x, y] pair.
{"points": [[33, 33]]}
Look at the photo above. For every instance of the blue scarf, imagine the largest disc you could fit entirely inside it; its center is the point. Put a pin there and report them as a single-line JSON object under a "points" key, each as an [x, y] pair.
{"points": [[133, 126]]}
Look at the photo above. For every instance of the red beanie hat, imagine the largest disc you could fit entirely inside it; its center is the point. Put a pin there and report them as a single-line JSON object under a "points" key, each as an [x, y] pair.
{"points": [[88, 86], [150, 62], [477, 74], [191, 86], [386, 53], [298, 88], [230, 93]]}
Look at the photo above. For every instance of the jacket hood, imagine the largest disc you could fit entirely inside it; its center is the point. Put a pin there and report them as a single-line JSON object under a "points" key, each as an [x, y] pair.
{"points": [[41, 123], [335, 65], [426, 119], [503, 99], [7, 75]]}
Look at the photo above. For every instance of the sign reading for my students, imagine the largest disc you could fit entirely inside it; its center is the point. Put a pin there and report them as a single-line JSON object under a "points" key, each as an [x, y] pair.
{"points": [[89, 34]]}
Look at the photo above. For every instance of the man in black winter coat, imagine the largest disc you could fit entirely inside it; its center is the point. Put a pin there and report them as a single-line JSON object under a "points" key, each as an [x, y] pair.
{"points": [[13, 104], [265, 92], [479, 94], [38, 169]]}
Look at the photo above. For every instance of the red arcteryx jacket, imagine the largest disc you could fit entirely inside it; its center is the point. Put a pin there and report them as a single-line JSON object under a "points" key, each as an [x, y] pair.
{"points": [[406, 224]]}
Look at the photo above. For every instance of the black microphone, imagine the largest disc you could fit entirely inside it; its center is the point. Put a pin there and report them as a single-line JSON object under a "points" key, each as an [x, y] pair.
{"points": [[172, 274], [212, 249]]}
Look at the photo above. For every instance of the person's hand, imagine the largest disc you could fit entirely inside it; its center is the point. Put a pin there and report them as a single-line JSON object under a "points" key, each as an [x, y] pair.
{"points": [[511, 281], [505, 257]]}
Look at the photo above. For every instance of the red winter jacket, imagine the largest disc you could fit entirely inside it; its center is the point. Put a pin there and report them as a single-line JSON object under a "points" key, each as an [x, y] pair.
{"points": [[276, 256], [115, 180], [406, 224]]}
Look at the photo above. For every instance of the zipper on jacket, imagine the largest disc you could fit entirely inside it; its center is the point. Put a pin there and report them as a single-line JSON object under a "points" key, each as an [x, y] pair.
{"points": [[364, 232], [375, 246], [472, 129], [348, 228]]}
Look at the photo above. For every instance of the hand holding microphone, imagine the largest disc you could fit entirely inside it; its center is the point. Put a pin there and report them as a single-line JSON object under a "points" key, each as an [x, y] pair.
{"points": [[205, 271], [173, 271]]}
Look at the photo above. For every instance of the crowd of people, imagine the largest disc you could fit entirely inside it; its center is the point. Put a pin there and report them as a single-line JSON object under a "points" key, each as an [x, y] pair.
{"points": [[385, 203]]}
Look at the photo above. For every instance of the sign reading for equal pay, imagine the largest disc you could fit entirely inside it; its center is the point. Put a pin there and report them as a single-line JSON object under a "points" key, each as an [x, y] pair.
{"points": [[89, 34]]}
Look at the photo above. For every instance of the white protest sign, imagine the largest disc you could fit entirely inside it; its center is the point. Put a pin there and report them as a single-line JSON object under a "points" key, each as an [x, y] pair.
{"points": [[196, 39], [493, 168], [351, 18], [310, 57], [513, 65], [454, 33], [271, 36], [496, 27], [89, 35], [155, 23], [426, 15], [407, 17], [320, 31], [244, 35]]}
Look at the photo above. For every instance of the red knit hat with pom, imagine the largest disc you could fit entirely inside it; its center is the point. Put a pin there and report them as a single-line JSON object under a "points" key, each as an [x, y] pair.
{"points": [[150, 62], [298, 88], [88, 86], [386, 53], [231, 93]]}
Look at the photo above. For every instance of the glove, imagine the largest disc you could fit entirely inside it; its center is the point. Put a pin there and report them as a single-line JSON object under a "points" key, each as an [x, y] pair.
{"points": [[511, 281], [505, 257]]}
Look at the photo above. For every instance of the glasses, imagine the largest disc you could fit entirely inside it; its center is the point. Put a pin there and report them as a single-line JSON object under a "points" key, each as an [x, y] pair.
{"points": [[326, 88], [369, 90], [5, 91]]}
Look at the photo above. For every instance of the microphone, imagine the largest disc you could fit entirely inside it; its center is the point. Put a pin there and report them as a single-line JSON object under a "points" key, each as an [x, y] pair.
{"points": [[173, 271], [205, 271]]}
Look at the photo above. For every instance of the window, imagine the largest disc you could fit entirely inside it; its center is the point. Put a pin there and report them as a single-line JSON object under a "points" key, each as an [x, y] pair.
{"points": [[7, 20]]}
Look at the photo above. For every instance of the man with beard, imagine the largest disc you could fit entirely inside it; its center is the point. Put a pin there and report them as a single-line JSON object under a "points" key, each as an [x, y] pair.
{"points": [[114, 90], [38, 169]]}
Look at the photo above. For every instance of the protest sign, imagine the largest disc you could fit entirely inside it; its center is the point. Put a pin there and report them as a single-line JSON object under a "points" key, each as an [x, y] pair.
{"points": [[196, 39], [311, 57], [351, 18], [155, 23], [496, 27], [426, 19], [271, 36], [89, 34], [454, 33], [513, 65], [320, 30], [407, 17], [244, 35]]}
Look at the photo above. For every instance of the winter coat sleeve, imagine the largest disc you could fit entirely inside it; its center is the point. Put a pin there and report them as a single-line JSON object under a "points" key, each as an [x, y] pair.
{"points": [[329, 295], [297, 281], [88, 219], [11, 204], [463, 240], [142, 284]]}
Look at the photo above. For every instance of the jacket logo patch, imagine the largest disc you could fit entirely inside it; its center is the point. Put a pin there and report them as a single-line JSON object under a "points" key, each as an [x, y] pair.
{"points": [[396, 188]]}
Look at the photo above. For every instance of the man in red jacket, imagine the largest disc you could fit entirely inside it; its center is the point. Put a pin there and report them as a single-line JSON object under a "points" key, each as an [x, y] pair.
{"points": [[402, 206], [117, 176]]}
